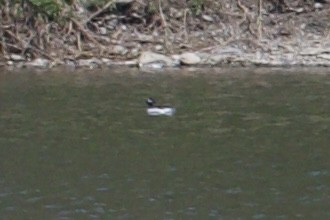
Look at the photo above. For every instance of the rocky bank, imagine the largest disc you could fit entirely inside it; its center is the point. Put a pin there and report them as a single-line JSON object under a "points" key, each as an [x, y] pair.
{"points": [[234, 33]]}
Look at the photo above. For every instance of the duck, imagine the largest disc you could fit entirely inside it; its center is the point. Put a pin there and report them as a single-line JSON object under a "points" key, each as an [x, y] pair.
{"points": [[153, 110]]}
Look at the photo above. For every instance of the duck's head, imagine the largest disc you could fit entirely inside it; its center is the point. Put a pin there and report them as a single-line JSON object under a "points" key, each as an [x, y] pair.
{"points": [[150, 102]]}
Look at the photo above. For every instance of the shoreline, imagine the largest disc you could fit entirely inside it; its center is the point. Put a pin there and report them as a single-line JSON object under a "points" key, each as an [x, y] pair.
{"points": [[223, 57], [157, 34]]}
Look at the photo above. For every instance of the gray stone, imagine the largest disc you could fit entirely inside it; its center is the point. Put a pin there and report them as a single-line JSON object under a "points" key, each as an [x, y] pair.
{"points": [[176, 13], [89, 62], [123, 63], [147, 58], [10, 63], [144, 38], [103, 30], [158, 65], [135, 52], [324, 56], [309, 51], [159, 47], [318, 5], [190, 59], [207, 18], [38, 62], [213, 59], [118, 50], [227, 51], [16, 57]]}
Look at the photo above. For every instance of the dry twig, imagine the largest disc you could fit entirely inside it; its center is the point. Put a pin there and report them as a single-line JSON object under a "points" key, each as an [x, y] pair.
{"points": [[167, 44], [185, 25], [105, 7], [259, 21]]}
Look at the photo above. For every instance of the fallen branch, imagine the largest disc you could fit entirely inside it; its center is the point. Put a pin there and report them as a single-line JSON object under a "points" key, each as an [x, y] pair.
{"points": [[185, 25], [167, 44], [259, 21]]}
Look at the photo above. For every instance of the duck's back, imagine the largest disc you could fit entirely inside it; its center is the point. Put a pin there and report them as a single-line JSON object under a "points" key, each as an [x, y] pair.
{"points": [[155, 111]]}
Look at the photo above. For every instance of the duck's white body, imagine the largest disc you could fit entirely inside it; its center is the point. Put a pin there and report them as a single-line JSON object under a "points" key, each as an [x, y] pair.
{"points": [[158, 110], [155, 111]]}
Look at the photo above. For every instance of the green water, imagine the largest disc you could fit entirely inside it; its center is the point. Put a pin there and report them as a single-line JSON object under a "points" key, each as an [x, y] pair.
{"points": [[244, 144]]}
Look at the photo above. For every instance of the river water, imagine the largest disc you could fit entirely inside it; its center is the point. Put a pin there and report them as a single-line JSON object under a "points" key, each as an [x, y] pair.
{"points": [[244, 144]]}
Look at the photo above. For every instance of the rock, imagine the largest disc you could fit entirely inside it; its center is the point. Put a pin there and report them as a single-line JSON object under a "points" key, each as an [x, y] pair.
{"points": [[159, 47], [118, 50], [174, 13], [149, 58], [93, 62], [103, 30], [10, 63], [135, 52], [190, 59], [318, 5], [207, 18], [70, 63], [38, 62], [227, 51], [176, 58], [324, 56], [154, 65], [309, 51], [122, 63], [144, 38], [106, 61], [16, 57], [215, 59]]}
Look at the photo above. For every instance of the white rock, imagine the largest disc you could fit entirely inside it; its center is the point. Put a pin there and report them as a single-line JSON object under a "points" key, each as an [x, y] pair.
{"points": [[144, 38], [227, 51], [324, 56], [147, 58], [10, 63], [190, 58], [38, 62], [318, 5], [312, 51], [159, 47], [106, 60], [207, 18], [16, 57], [103, 30], [123, 63]]}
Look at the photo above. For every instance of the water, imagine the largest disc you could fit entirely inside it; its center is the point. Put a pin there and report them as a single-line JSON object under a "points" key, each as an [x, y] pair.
{"points": [[244, 144]]}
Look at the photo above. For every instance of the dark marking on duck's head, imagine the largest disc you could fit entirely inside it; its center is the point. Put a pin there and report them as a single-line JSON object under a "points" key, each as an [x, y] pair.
{"points": [[150, 102]]}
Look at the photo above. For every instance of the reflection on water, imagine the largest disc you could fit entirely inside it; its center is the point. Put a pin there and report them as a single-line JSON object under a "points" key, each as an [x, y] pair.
{"points": [[243, 145]]}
